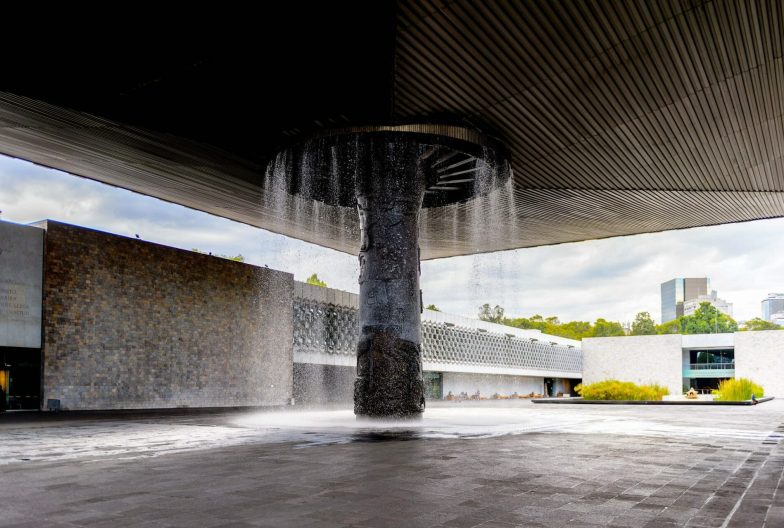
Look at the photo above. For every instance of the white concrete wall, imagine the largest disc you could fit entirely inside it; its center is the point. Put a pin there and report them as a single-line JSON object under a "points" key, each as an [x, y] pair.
{"points": [[639, 359], [759, 356], [21, 275], [489, 384], [707, 341]]}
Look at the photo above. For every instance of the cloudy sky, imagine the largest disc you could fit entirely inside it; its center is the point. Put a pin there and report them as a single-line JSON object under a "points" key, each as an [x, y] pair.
{"points": [[613, 278]]}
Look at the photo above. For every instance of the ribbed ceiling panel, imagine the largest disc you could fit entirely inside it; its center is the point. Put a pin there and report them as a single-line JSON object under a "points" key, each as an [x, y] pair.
{"points": [[622, 117], [607, 95]]}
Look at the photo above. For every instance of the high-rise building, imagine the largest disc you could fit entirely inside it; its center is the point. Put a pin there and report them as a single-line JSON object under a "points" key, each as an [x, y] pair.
{"points": [[677, 291], [774, 304], [691, 305]]}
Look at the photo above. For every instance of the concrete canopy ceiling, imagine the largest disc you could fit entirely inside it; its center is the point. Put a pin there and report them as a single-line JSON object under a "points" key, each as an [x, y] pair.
{"points": [[621, 117]]}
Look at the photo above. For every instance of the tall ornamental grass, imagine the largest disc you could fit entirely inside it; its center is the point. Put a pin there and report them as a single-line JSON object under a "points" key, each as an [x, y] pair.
{"points": [[621, 390], [738, 390]]}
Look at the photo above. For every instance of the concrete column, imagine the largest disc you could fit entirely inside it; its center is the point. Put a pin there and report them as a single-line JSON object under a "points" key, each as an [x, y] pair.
{"points": [[390, 189]]}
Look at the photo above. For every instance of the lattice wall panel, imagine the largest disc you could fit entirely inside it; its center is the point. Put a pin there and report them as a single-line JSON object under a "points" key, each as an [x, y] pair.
{"points": [[321, 327]]}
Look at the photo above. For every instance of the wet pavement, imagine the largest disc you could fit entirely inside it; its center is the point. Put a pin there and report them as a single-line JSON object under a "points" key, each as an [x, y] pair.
{"points": [[489, 464]]}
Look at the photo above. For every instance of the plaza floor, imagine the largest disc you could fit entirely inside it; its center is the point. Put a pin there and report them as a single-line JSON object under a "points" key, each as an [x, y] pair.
{"points": [[488, 464]]}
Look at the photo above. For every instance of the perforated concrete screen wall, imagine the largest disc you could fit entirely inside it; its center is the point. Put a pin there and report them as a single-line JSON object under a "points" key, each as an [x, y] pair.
{"points": [[326, 328]]}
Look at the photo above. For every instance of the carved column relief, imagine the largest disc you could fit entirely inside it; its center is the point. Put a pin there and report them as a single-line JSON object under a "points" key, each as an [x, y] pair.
{"points": [[389, 364]]}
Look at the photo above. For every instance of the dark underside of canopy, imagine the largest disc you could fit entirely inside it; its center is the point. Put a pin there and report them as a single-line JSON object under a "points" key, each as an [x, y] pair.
{"points": [[621, 117]]}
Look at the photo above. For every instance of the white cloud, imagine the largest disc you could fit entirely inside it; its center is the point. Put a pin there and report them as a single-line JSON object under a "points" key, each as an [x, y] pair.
{"points": [[612, 278]]}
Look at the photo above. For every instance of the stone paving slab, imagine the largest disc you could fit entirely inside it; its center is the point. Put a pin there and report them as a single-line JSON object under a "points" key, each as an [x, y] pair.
{"points": [[675, 475]]}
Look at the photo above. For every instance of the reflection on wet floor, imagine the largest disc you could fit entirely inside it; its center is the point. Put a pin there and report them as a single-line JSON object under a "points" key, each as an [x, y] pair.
{"points": [[152, 435], [461, 465]]}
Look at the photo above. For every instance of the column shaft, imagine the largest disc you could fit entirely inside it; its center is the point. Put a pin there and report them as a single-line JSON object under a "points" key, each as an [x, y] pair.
{"points": [[389, 360]]}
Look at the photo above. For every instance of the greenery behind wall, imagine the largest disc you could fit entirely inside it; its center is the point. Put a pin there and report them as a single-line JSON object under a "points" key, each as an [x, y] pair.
{"points": [[707, 319]]}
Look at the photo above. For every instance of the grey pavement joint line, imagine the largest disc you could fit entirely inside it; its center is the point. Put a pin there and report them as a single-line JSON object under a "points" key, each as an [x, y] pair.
{"points": [[491, 464], [738, 503]]}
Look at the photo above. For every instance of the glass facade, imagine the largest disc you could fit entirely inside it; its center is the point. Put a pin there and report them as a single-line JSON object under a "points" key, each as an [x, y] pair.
{"points": [[707, 368], [676, 291], [709, 358], [671, 299], [773, 304]]}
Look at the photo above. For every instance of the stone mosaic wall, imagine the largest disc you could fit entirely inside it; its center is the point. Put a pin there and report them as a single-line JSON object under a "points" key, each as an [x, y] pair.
{"points": [[130, 324]]}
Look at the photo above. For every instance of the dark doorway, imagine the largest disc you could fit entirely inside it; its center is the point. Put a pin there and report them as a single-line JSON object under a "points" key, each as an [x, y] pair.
{"points": [[570, 384], [22, 382], [705, 385], [549, 387]]}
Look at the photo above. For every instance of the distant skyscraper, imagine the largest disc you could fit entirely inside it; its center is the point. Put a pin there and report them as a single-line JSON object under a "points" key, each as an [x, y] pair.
{"points": [[690, 306], [772, 305], [671, 299], [676, 291]]}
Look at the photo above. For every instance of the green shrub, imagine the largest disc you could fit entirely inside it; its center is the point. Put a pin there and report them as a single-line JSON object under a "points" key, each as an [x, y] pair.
{"points": [[621, 390], [738, 390]]}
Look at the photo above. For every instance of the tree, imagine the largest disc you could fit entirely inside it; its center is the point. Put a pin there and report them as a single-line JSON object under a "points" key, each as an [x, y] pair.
{"points": [[491, 315], [552, 325], [521, 322], [643, 324], [604, 328], [315, 281], [757, 324], [238, 258], [670, 327], [575, 330], [432, 307], [535, 322], [707, 319]]}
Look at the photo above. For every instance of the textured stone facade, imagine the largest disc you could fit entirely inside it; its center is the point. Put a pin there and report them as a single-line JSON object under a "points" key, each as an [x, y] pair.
{"points": [[131, 324]]}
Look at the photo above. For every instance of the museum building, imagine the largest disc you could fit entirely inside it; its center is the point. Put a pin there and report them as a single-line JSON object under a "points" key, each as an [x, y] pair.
{"points": [[681, 362], [91, 320]]}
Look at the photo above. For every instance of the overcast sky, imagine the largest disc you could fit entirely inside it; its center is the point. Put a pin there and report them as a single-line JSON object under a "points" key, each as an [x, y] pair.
{"points": [[612, 278]]}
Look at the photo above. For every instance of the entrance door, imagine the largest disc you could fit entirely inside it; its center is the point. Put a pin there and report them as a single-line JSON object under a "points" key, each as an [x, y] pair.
{"points": [[3, 387], [22, 378]]}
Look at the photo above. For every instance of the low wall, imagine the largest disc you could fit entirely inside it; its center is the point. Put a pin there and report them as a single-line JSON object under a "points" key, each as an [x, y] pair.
{"points": [[760, 357], [489, 384], [131, 324], [639, 359], [323, 384]]}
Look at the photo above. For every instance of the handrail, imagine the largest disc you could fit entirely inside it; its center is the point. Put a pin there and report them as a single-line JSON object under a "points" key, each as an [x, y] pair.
{"points": [[712, 366]]}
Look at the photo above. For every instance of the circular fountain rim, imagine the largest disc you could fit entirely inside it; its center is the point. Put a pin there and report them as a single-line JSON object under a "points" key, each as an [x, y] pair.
{"points": [[455, 132], [458, 162]]}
